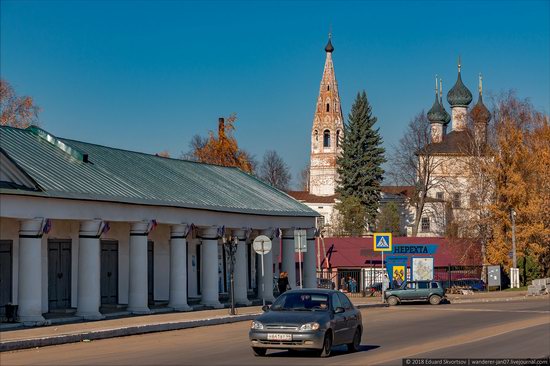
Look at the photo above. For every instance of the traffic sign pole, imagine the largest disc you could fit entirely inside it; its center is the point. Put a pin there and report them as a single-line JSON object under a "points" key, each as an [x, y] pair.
{"points": [[383, 273], [262, 246], [263, 284], [382, 242], [300, 260]]}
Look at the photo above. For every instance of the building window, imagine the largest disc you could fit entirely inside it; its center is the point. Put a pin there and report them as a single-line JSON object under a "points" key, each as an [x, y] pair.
{"points": [[456, 200], [316, 134], [320, 221], [439, 196], [337, 138], [328, 87], [328, 107], [326, 138], [425, 226]]}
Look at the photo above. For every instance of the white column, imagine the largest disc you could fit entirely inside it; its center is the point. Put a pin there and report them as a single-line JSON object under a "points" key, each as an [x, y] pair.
{"points": [[268, 268], [289, 263], [241, 266], [137, 293], [209, 267], [178, 268], [309, 265], [89, 264], [30, 271]]}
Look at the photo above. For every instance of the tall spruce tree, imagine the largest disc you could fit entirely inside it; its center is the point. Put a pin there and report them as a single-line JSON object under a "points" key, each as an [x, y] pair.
{"points": [[360, 164]]}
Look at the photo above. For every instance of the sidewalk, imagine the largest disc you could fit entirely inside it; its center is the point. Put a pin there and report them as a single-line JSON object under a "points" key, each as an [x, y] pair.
{"points": [[78, 331]]}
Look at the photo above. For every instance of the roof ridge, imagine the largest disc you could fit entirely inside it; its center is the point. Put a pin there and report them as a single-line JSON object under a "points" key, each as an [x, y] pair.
{"points": [[148, 154]]}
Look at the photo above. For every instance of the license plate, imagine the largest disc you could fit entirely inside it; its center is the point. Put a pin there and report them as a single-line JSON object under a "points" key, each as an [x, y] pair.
{"points": [[279, 337]]}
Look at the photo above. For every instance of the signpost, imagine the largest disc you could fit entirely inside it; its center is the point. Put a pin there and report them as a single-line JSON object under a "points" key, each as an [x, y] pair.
{"points": [[300, 246], [382, 243], [262, 245]]}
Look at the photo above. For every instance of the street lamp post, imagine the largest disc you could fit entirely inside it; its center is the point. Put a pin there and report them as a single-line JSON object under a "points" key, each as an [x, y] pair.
{"points": [[515, 270], [230, 246]]}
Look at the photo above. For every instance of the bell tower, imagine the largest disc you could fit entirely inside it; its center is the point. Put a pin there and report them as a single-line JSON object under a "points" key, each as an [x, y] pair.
{"points": [[327, 132]]}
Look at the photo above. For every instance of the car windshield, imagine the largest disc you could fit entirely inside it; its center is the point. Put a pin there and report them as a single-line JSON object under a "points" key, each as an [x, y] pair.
{"points": [[299, 301]]}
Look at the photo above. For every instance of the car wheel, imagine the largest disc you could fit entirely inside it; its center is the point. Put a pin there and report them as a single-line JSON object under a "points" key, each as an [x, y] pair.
{"points": [[392, 301], [354, 346], [259, 351], [435, 299], [327, 346]]}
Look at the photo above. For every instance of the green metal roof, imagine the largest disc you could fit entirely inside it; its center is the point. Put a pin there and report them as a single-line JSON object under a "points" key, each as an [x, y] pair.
{"points": [[66, 168]]}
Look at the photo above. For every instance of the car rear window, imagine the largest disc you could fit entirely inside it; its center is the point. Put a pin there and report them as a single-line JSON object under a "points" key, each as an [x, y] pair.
{"points": [[435, 285], [301, 301]]}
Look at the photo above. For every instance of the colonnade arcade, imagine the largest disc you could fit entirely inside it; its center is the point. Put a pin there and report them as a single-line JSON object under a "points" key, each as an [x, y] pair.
{"points": [[89, 265]]}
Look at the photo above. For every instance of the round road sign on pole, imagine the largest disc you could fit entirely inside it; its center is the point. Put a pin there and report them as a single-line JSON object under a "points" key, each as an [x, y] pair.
{"points": [[262, 245]]}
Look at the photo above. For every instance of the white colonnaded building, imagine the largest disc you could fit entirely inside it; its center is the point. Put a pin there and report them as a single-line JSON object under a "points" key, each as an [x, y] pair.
{"points": [[85, 227]]}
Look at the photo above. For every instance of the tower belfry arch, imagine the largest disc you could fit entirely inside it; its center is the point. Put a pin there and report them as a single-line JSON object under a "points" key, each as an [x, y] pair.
{"points": [[326, 132]]}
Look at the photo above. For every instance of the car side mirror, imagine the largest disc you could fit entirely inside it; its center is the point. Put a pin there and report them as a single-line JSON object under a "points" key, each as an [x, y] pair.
{"points": [[339, 310], [265, 308]]}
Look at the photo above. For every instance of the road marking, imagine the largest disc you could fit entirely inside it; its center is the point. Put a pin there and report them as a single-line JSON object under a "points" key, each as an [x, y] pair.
{"points": [[485, 310], [384, 358]]}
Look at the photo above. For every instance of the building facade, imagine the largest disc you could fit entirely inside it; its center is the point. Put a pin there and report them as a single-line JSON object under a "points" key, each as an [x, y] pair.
{"points": [[327, 132], [85, 227], [452, 196]]}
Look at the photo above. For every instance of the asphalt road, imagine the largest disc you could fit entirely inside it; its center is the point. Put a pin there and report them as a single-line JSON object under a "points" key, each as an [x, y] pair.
{"points": [[485, 330]]}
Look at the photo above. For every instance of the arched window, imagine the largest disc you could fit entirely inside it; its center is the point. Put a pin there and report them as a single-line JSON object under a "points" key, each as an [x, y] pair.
{"points": [[326, 138], [328, 107], [316, 134], [328, 87], [337, 138]]}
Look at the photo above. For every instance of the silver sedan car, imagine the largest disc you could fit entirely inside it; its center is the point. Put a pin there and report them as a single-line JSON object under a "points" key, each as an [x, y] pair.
{"points": [[314, 319]]}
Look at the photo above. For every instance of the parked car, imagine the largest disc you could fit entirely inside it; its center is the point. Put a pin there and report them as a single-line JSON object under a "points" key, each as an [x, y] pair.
{"points": [[474, 284], [431, 291], [315, 319]]}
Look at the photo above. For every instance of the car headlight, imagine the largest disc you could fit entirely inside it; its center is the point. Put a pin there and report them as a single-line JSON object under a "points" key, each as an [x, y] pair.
{"points": [[256, 325], [310, 326]]}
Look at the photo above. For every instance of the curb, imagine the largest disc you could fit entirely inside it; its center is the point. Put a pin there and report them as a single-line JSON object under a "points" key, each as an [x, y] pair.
{"points": [[118, 332], [502, 299], [132, 330]]}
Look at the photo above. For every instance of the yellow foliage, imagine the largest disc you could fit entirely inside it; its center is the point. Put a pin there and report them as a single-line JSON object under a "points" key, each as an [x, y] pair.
{"points": [[223, 149], [521, 174]]}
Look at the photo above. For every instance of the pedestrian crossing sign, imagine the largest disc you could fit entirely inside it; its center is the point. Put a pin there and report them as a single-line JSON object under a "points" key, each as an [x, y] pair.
{"points": [[382, 242]]}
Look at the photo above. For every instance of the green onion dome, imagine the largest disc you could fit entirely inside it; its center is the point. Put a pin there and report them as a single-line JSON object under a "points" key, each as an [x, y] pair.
{"points": [[437, 113], [459, 95]]}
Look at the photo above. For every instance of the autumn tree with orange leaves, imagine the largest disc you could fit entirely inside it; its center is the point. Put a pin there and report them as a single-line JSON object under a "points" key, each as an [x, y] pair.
{"points": [[222, 149], [15, 111], [519, 170], [511, 171]]}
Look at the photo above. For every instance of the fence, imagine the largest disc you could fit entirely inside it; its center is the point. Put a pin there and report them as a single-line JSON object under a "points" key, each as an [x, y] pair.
{"points": [[360, 282], [461, 276], [349, 281]]}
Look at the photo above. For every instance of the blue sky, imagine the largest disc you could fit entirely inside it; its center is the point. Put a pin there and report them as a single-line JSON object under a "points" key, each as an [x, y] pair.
{"points": [[147, 76]]}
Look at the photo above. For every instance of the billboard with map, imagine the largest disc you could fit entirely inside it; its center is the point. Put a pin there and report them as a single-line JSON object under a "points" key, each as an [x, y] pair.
{"points": [[422, 269]]}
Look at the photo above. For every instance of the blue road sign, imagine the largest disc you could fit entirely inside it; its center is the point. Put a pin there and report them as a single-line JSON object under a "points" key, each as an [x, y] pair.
{"points": [[382, 242]]}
